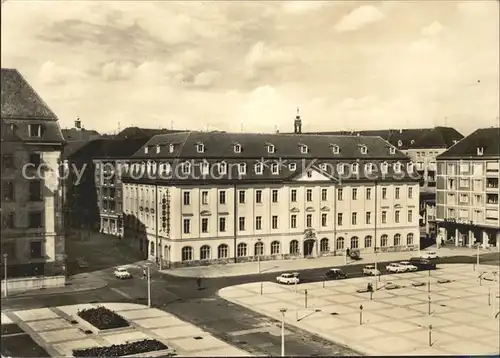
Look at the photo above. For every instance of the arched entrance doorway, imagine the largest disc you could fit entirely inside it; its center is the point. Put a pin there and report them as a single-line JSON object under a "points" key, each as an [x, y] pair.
{"points": [[308, 247]]}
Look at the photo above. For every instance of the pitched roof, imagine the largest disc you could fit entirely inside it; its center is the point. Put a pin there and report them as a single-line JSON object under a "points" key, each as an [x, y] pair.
{"points": [[73, 134], [133, 132], [418, 138], [20, 100], [72, 147], [486, 138], [108, 148]]}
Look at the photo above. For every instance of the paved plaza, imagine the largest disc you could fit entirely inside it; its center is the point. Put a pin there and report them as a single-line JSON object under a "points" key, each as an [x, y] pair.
{"points": [[395, 321], [51, 329]]}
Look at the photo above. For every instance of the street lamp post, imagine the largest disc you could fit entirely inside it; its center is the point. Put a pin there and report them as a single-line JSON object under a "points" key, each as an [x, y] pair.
{"points": [[6, 289], [283, 310], [477, 256], [258, 256], [149, 286]]}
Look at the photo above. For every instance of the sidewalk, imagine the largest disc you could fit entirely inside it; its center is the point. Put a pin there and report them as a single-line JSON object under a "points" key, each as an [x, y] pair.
{"points": [[77, 283], [251, 268]]}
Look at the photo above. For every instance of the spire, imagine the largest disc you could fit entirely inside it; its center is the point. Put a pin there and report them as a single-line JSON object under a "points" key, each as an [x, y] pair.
{"points": [[78, 123], [297, 123]]}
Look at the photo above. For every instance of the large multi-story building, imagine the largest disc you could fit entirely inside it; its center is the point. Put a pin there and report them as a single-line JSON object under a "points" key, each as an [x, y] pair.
{"points": [[422, 145], [197, 197], [32, 237], [467, 190]]}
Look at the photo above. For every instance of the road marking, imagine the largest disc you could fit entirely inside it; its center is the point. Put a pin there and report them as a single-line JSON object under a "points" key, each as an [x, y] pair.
{"points": [[246, 331], [122, 293]]}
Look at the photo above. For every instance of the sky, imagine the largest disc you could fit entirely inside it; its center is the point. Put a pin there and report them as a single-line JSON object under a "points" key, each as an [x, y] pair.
{"points": [[248, 65]]}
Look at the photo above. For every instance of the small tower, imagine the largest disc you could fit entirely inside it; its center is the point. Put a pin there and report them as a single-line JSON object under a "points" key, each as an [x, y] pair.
{"points": [[297, 123], [78, 123]]}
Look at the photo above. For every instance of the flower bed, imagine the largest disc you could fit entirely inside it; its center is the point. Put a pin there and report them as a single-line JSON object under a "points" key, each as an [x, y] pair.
{"points": [[102, 318], [120, 350]]}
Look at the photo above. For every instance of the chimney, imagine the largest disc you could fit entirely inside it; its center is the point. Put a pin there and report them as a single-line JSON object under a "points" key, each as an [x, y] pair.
{"points": [[78, 123]]}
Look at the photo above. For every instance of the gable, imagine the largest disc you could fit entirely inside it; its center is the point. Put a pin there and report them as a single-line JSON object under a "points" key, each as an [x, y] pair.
{"points": [[315, 175]]}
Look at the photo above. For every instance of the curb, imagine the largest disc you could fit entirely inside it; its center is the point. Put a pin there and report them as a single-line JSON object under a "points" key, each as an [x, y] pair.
{"points": [[41, 293]]}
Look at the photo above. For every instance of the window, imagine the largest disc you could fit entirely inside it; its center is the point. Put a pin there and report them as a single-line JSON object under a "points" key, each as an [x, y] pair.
{"points": [[241, 249], [340, 195], [410, 216], [355, 168], [368, 217], [274, 195], [270, 148], [397, 216], [340, 168], [258, 196], [222, 197], [369, 168], [324, 245], [35, 159], [309, 219], [36, 250], [293, 221], [464, 198], [275, 168], [242, 223], [354, 194], [242, 196], [384, 166], [410, 193], [339, 219], [396, 193], [324, 219], [450, 169], [324, 194], [335, 149], [259, 168], [10, 220], [200, 148], [464, 183], [222, 224], [237, 148], [171, 148], [35, 190], [35, 220], [384, 217], [409, 239], [354, 242], [383, 240], [223, 168], [451, 184], [258, 249], [292, 167], [397, 167], [187, 253], [294, 247], [9, 190], [187, 198], [340, 243], [274, 222], [384, 193], [8, 161], [354, 218], [293, 196], [309, 195], [397, 240], [35, 130], [187, 226], [186, 168], [205, 168], [242, 168], [258, 223], [205, 252], [204, 197], [275, 248], [222, 251], [451, 213], [363, 149], [368, 241], [309, 174], [368, 193], [304, 149], [204, 225]]}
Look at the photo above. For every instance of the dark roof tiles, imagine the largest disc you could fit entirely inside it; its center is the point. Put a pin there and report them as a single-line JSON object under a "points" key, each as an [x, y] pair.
{"points": [[486, 139]]}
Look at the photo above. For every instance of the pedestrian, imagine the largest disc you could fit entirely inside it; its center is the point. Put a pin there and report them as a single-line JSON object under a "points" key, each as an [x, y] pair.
{"points": [[348, 252], [198, 283], [144, 273], [369, 287]]}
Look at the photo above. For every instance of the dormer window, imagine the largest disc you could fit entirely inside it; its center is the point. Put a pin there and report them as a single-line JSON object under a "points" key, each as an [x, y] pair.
{"points": [[392, 150], [397, 167], [200, 148], [355, 168], [480, 150], [340, 168], [205, 168], [335, 149], [35, 130], [455, 141], [400, 143], [270, 148], [259, 168], [363, 149], [292, 167], [322, 166], [146, 150], [304, 149], [237, 148], [223, 168], [309, 174], [158, 149], [275, 169], [171, 148], [242, 168], [186, 168], [369, 168], [383, 167], [412, 141]]}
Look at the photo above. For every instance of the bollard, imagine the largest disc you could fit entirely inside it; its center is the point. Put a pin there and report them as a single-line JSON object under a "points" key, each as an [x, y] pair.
{"points": [[371, 295], [323, 283], [430, 335], [489, 297], [429, 272], [295, 286], [480, 280], [360, 315], [305, 298], [261, 288], [429, 286], [429, 304], [474, 267]]}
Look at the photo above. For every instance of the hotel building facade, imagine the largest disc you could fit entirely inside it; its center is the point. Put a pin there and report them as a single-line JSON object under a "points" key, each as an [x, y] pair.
{"points": [[197, 198], [467, 190]]}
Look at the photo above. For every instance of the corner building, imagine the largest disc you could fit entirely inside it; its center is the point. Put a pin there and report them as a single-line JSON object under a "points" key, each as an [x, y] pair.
{"points": [[197, 198]]}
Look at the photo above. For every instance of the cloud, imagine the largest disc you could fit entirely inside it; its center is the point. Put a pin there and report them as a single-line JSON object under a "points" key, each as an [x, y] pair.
{"points": [[205, 79], [432, 29], [477, 8], [53, 74], [423, 46], [359, 18], [301, 7], [117, 71]]}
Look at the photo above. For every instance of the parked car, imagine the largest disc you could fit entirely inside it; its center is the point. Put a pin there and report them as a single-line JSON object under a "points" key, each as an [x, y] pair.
{"points": [[335, 274], [423, 264], [409, 267], [370, 270], [429, 255], [395, 268], [288, 278], [122, 273]]}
